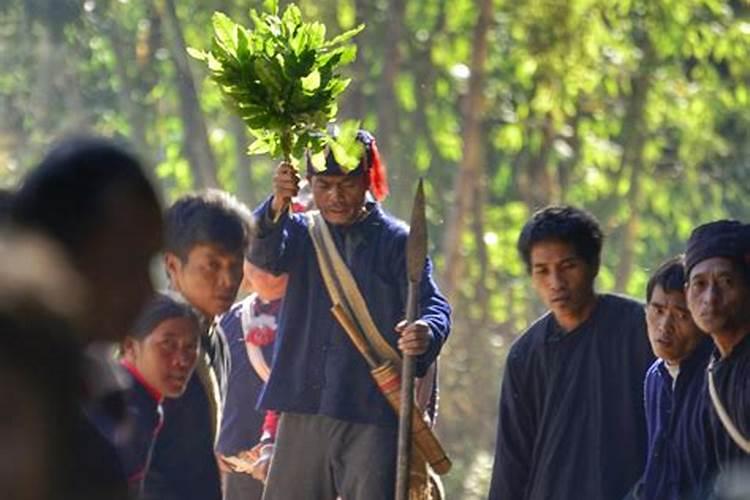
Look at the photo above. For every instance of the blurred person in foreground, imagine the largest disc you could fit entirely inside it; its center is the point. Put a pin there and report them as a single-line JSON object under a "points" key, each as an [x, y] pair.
{"points": [[40, 370], [90, 198], [247, 435], [717, 264], [680, 465], [571, 422]]}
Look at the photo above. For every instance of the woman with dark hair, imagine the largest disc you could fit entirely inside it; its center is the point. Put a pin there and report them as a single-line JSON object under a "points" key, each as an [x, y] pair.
{"points": [[159, 356]]}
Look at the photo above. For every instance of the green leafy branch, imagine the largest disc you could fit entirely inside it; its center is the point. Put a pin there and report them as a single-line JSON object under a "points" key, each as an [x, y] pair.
{"points": [[282, 78]]}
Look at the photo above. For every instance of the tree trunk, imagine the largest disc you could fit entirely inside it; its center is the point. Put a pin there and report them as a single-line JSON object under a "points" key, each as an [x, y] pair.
{"points": [[471, 168], [388, 108], [536, 185], [195, 133], [481, 299], [129, 105], [633, 140], [43, 89], [354, 101]]}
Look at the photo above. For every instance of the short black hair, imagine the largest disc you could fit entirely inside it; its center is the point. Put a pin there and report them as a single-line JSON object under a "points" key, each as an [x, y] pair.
{"points": [[670, 276], [159, 309], [69, 194], [207, 217], [567, 224]]}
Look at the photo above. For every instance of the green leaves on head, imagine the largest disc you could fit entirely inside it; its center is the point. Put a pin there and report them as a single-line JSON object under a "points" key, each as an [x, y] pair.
{"points": [[343, 144]]}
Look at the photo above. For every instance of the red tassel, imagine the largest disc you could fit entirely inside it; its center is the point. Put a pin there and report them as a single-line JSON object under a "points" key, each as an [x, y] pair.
{"points": [[378, 174]]}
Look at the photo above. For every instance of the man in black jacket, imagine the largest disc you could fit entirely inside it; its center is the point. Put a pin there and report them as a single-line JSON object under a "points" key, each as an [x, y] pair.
{"points": [[571, 422]]}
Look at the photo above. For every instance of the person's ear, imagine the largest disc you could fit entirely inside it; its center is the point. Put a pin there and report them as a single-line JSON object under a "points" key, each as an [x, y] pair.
{"points": [[129, 348], [172, 263]]}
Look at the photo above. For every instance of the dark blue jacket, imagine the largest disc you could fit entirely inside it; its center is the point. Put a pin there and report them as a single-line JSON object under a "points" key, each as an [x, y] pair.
{"points": [[680, 464], [241, 423], [183, 465], [134, 439], [571, 421], [316, 368], [732, 380]]}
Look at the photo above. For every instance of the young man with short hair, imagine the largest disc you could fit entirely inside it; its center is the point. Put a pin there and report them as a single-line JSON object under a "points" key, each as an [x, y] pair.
{"points": [[679, 465], [717, 263], [571, 421], [207, 235]]}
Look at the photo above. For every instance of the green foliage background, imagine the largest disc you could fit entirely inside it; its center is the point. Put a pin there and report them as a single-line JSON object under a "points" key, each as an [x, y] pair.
{"points": [[638, 110]]}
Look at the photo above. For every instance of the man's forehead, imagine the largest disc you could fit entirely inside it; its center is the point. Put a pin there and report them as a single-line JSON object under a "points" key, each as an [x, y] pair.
{"points": [[714, 265], [552, 251], [214, 250], [660, 296]]}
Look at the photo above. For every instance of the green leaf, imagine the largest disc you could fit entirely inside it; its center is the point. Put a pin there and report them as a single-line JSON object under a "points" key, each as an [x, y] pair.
{"points": [[292, 18], [225, 32], [348, 55], [344, 37], [346, 149], [312, 81], [271, 6], [318, 161], [258, 147], [197, 54]]}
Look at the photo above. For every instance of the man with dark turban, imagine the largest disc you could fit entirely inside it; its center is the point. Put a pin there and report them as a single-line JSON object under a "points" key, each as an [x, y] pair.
{"points": [[717, 265]]}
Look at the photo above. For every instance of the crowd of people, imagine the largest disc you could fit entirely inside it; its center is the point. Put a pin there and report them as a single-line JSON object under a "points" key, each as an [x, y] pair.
{"points": [[235, 381]]}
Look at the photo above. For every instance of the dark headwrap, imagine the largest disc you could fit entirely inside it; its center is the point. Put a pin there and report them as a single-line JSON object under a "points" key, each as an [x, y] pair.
{"points": [[723, 238], [370, 164]]}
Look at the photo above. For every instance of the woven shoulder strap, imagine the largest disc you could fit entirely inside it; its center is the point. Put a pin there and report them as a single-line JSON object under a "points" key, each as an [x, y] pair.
{"points": [[343, 288], [726, 420]]}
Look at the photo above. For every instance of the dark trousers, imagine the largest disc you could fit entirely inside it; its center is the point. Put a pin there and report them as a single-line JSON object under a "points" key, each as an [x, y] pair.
{"points": [[241, 486], [321, 458]]}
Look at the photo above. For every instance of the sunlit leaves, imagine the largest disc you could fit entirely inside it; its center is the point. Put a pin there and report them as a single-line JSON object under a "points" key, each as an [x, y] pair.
{"points": [[281, 76]]}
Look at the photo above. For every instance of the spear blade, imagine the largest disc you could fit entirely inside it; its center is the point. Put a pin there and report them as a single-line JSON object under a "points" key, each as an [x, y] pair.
{"points": [[416, 244]]}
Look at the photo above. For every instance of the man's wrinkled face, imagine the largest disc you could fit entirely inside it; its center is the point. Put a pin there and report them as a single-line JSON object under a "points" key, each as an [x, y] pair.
{"points": [[671, 330], [167, 356], [340, 198], [208, 278], [718, 296], [563, 280]]}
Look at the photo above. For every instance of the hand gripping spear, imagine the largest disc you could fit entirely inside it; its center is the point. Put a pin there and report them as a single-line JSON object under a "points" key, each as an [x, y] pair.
{"points": [[416, 253]]}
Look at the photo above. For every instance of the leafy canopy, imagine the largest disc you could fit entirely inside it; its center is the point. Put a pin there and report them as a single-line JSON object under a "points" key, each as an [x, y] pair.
{"points": [[282, 78]]}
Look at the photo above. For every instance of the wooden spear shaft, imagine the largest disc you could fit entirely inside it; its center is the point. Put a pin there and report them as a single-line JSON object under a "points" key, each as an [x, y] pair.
{"points": [[416, 253]]}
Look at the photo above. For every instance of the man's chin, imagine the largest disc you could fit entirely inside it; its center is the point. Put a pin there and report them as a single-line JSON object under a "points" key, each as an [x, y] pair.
{"points": [[337, 218]]}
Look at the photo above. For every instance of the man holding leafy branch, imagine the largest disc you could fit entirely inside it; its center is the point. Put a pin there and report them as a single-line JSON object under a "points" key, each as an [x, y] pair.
{"points": [[337, 434]]}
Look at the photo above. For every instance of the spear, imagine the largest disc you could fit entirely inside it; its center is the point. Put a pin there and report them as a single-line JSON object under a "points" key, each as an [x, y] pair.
{"points": [[416, 253]]}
